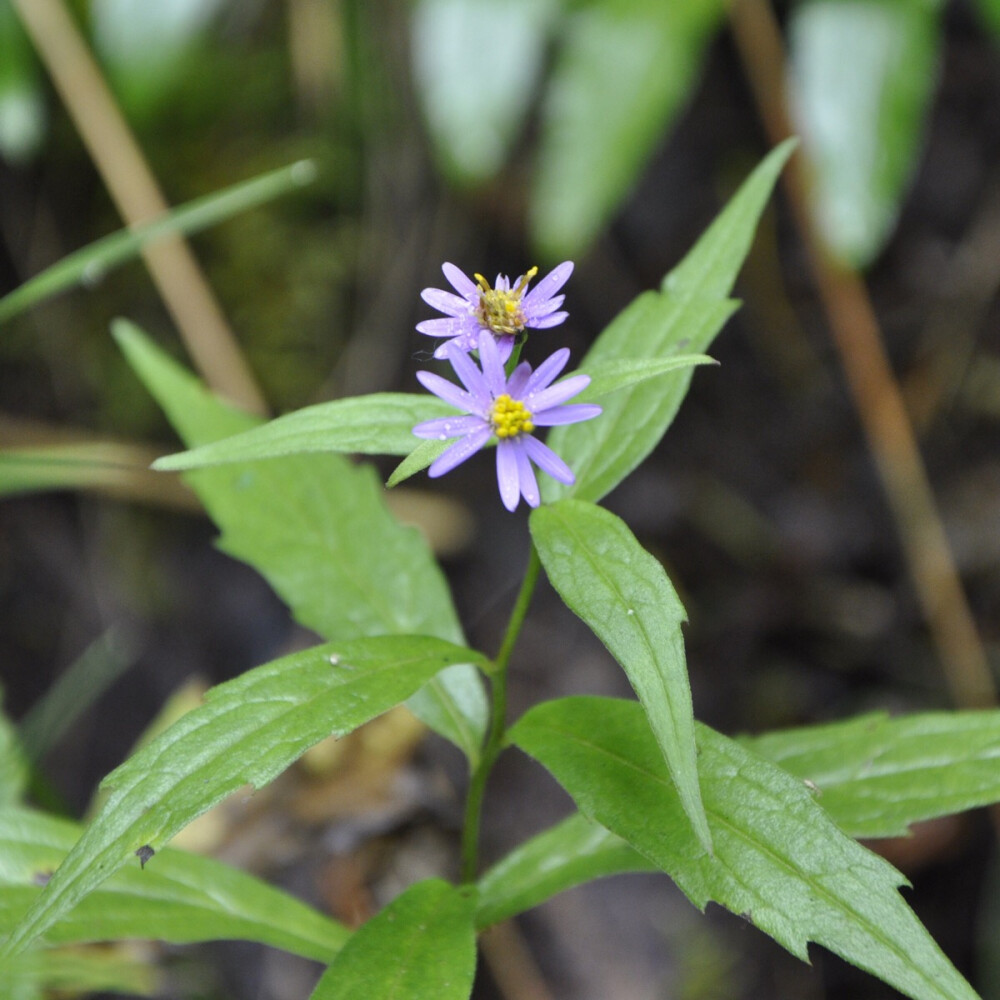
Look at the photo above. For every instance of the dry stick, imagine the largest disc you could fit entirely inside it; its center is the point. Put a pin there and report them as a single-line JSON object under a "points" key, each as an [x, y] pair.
{"points": [[874, 388], [138, 198]]}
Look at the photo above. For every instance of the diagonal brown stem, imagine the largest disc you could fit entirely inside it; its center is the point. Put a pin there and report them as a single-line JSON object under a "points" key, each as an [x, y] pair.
{"points": [[134, 190], [874, 388]]}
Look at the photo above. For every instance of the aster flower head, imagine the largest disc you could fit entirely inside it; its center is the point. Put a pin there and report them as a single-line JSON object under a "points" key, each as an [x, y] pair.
{"points": [[508, 409], [505, 310]]}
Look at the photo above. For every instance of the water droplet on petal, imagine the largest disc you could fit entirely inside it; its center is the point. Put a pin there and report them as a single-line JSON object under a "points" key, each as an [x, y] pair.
{"points": [[442, 437]]}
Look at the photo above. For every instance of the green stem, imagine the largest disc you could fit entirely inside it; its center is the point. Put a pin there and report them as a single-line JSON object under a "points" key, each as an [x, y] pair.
{"points": [[498, 720]]}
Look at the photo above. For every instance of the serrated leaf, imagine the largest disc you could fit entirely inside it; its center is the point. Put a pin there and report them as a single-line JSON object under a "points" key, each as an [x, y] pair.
{"points": [[862, 118], [623, 595], [476, 95], [685, 316], [574, 851], [92, 262], [622, 74], [779, 860], [179, 898], [875, 775], [379, 424], [317, 528], [422, 946], [248, 731]]}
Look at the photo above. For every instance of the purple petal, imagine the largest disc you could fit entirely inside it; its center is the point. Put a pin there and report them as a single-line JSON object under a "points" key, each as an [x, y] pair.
{"points": [[546, 372], [548, 461], [525, 473], [518, 379], [461, 450], [571, 414], [507, 474], [505, 347], [462, 284], [448, 391], [489, 356], [447, 427], [547, 322], [471, 376], [445, 302], [550, 284], [569, 387], [461, 344], [451, 326], [537, 311]]}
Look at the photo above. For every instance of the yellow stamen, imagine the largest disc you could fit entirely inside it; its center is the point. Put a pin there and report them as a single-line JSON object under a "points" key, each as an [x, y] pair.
{"points": [[510, 417], [499, 310]]}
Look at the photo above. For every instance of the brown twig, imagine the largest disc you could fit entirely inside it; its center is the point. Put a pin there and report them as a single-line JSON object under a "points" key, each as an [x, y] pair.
{"points": [[512, 966], [874, 388], [135, 192]]}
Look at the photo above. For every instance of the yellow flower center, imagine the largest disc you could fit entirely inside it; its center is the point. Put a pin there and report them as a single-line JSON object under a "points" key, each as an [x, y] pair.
{"points": [[510, 417], [501, 311]]}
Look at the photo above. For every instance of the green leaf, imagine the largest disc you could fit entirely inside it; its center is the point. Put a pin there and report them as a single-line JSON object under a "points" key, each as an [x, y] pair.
{"points": [[574, 851], [623, 594], [13, 764], [317, 528], [248, 731], [92, 262], [989, 12], [418, 460], [178, 898], [148, 48], [862, 118], [685, 316], [610, 376], [422, 946], [622, 75], [476, 92], [875, 775], [68, 972], [23, 119], [379, 424], [779, 860], [74, 692]]}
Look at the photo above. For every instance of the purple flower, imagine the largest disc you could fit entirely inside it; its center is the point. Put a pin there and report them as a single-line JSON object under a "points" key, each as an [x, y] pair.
{"points": [[503, 311], [510, 409]]}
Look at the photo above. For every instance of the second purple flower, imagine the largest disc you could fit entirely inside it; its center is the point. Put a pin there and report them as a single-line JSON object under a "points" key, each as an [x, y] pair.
{"points": [[505, 310]]}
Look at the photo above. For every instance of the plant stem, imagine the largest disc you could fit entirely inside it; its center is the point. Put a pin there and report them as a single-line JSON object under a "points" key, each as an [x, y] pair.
{"points": [[498, 719]]}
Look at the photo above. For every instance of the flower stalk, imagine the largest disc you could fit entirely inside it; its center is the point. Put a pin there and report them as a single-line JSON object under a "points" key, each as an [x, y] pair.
{"points": [[498, 722]]}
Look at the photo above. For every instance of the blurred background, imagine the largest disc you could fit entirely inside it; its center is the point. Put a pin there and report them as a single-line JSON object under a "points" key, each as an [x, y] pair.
{"points": [[789, 501]]}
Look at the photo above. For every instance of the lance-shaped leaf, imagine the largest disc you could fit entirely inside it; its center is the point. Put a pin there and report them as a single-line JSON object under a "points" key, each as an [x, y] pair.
{"points": [[875, 775], [622, 74], [684, 316], [422, 946], [248, 731], [94, 261], [178, 898], [379, 424], [623, 594], [574, 851], [475, 96], [317, 528], [862, 118], [779, 860]]}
